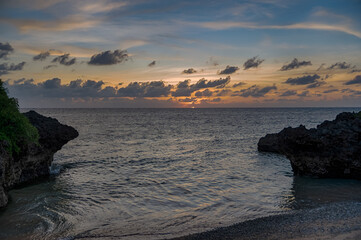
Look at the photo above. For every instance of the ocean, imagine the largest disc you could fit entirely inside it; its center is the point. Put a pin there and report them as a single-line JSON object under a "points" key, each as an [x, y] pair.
{"points": [[162, 173]]}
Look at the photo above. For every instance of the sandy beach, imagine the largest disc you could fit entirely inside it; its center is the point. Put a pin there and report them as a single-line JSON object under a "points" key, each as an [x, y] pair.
{"points": [[333, 221]]}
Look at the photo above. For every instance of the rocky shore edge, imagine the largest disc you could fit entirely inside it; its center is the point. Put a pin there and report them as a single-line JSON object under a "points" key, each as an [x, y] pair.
{"points": [[332, 150], [34, 159]]}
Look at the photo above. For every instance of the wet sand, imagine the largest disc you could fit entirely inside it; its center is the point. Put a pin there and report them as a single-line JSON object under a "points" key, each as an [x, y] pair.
{"points": [[333, 221]]}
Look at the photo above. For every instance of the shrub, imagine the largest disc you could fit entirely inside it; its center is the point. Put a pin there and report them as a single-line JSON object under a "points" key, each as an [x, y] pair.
{"points": [[15, 128]]}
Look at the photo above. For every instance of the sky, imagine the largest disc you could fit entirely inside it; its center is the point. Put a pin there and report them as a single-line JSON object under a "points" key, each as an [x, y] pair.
{"points": [[181, 54]]}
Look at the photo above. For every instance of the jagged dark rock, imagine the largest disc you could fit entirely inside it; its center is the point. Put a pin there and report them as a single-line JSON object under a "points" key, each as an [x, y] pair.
{"points": [[34, 160], [332, 150]]}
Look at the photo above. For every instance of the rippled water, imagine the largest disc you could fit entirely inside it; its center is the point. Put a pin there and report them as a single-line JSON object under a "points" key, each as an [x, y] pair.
{"points": [[160, 173]]}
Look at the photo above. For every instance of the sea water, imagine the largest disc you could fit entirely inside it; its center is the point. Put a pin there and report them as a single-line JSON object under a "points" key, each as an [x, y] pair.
{"points": [[162, 173]]}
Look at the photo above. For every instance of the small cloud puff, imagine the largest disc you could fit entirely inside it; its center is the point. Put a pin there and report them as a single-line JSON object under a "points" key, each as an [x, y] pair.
{"points": [[253, 63], [229, 70], [109, 57], [295, 64]]}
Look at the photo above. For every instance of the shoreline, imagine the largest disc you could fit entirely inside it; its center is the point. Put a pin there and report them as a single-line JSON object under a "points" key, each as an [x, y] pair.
{"points": [[331, 221]]}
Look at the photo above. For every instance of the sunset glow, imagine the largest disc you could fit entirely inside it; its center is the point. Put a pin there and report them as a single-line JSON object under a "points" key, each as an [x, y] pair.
{"points": [[264, 53]]}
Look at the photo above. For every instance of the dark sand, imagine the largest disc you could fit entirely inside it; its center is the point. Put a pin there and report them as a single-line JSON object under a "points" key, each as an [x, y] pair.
{"points": [[333, 221]]}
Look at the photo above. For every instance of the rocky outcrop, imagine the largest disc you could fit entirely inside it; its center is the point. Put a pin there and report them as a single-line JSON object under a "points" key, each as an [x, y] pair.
{"points": [[33, 160], [332, 150]]}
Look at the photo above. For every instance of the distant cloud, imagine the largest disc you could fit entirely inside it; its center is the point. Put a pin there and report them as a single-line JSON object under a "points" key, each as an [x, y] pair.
{"points": [[238, 84], [356, 80], [355, 71], [316, 84], [204, 83], [152, 64], [205, 93], [109, 57], [330, 91], [303, 80], [304, 94], [53, 88], [212, 61], [254, 91], [49, 66], [289, 93], [229, 70], [223, 92], [52, 83], [295, 64], [5, 50], [187, 100], [5, 68], [303, 25], [64, 60], [320, 67], [145, 89], [23, 80], [252, 63], [340, 65], [184, 89], [41, 56], [189, 71]]}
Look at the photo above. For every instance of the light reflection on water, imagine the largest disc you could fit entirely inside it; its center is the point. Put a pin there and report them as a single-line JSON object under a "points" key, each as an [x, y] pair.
{"points": [[158, 173]]}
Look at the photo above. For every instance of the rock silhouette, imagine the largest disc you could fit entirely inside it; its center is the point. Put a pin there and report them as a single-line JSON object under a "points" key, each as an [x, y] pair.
{"points": [[332, 150]]}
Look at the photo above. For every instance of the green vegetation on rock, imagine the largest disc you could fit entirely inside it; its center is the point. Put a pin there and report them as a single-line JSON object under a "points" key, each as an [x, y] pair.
{"points": [[15, 128]]}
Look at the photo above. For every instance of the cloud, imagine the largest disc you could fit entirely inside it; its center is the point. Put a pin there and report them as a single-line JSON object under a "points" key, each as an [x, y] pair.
{"points": [[41, 56], [204, 83], [5, 50], [288, 93], [65, 24], [5, 68], [330, 91], [53, 88], [303, 80], [145, 89], [254, 91], [304, 94], [320, 67], [23, 80], [64, 60], [316, 84], [152, 64], [253, 63], [189, 71], [184, 89], [305, 25], [212, 61], [215, 100], [295, 64], [229, 70], [223, 92], [205, 93], [356, 80], [49, 66], [109, 57], [238, 84], [340, 65], [187, 100]]}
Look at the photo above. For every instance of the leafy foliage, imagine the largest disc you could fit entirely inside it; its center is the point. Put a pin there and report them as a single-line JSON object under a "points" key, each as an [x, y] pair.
{"points": [[15, 128]]}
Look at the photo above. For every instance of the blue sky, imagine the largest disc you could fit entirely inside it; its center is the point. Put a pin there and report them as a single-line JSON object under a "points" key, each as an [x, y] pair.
{"points": [[206, 36]]}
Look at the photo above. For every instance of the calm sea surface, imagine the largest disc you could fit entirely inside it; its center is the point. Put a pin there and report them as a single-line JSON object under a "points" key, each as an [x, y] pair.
{"points": [[161, 173]]}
